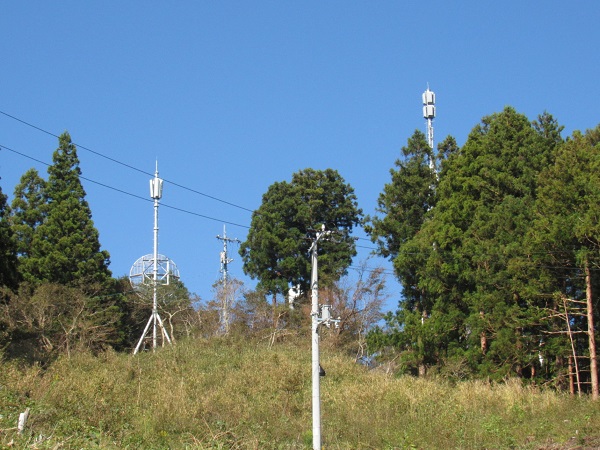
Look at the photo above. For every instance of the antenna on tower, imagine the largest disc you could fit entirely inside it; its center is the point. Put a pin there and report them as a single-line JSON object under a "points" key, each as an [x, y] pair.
{"points": [[225, 260], [153, 270], [429, 114]]}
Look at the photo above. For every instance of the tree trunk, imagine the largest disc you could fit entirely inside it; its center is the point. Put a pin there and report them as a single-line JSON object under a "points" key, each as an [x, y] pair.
{"points": [[591, 336], [519, 346], [572, 359], [273, 315], [571, 377], [483, 337]]}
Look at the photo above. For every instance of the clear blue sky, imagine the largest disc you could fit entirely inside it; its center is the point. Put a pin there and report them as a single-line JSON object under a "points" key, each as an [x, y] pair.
{"points": [[232, 96]]}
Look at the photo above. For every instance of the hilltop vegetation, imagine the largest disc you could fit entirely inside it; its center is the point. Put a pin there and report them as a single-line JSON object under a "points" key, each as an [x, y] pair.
{"points": [[497, 252], [236, 393]]}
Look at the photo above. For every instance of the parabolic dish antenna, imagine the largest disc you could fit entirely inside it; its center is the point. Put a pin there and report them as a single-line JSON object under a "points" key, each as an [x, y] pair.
{"points": [[142, 271]]}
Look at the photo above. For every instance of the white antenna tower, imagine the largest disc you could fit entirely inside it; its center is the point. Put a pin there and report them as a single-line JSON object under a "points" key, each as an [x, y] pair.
{"points": [[225, 260], [429, 114], [160, 267]]}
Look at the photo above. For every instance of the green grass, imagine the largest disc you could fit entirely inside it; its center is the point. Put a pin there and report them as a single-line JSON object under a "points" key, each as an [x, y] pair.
{"points": [[246, 394]]}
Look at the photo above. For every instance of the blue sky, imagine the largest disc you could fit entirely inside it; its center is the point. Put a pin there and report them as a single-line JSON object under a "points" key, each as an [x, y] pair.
{"points": [[233, 96]]}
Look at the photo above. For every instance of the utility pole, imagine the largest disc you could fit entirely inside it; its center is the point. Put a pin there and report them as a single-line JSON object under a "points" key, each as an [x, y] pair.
{"points": [[320, 316], [225, 260]]}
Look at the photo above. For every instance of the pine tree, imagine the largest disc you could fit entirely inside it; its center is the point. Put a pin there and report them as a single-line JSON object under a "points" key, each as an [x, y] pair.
{"points": [[405, 205], [405, 199]]}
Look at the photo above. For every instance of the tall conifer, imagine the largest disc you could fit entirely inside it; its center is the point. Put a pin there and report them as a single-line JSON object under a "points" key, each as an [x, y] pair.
{"points": [[28, 211], [65, 248], [567, 239], [8, 255]]}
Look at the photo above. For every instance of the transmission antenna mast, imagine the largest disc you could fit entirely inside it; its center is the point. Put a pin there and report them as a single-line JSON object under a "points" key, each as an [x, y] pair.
{"points": [[156, 185], [429, 115]]}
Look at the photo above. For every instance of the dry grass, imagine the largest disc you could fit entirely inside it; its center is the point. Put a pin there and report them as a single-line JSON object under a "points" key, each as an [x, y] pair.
{"points": [[237, 394]]}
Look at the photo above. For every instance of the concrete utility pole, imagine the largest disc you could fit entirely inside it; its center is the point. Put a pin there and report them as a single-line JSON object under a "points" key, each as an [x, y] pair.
{"points": [[225, 260], [320, 316]]}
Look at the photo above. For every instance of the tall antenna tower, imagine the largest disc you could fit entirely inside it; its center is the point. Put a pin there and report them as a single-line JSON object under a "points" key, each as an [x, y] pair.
{"points": [[153, 270], [225, 260], [429, 114]]}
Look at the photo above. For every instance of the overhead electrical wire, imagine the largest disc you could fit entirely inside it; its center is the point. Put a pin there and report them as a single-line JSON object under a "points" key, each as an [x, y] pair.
{"points": [[372, 269], [365, 247], [194, 191], [383, 271], [129, 166], [555, 267], [139, 197]]}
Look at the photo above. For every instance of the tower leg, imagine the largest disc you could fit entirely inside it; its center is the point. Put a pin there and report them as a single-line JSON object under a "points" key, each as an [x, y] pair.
{"points": [[163, 329], [137, 347], [154, 318]]}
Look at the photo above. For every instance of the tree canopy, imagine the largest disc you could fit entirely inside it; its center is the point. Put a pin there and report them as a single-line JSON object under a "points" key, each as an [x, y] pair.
{"points": [[471, 295], [498, 255], [8, 251], [65, 246], [276, 249]]}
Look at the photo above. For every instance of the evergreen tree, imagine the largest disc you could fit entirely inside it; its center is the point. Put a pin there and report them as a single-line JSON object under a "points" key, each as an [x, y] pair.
{"points": [[404, 205], [479, 226], [566, 240], [405, 200], [29, 208], [8, 255], [65, 248], [468, 256], [276, 249]]}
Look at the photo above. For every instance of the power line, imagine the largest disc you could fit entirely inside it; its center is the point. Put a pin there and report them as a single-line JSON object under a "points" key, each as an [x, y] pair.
{"points": [[370, 269], [116, 161], [129, 193], [368, 248], [247, 227]]}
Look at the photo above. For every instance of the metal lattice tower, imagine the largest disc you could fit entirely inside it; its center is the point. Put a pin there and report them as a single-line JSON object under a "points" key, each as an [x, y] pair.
{"points": [[429, 114]]}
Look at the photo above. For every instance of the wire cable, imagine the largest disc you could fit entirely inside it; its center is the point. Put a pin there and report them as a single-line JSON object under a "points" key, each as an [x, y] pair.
{"points": [[139, 197], [116, 161]]}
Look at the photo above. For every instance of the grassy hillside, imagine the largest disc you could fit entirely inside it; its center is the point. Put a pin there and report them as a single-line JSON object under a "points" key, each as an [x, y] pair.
{"points": [[241, 394]]}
